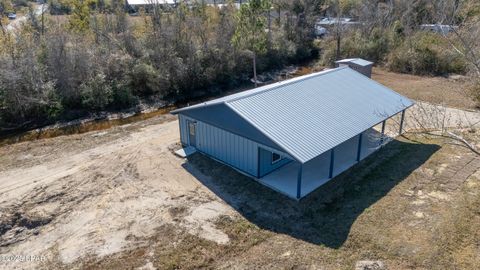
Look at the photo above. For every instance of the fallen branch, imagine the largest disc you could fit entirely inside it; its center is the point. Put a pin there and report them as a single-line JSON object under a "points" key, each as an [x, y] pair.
{"points": [[448, 135], [462, 140]]}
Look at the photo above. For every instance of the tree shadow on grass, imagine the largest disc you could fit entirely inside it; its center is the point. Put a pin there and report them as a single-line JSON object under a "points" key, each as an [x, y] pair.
{"points": [[326, 215]]}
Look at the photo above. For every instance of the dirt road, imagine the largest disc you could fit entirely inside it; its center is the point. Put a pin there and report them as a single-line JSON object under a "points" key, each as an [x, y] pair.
{"points": [[101, 197]]}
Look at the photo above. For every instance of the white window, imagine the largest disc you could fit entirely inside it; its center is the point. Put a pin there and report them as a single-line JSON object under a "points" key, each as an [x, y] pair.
{"points": [[276, 158], [191, 128]]}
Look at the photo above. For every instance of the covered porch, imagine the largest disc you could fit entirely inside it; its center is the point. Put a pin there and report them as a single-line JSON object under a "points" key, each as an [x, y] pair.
{"points": [[297, 180]]}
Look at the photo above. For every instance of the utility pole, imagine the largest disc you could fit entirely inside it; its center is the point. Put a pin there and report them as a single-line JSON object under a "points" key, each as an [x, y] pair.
{"points": [[43, 22]]}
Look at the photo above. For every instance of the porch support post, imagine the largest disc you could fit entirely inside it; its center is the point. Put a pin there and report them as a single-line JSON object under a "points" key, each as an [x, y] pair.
{"points": [[401, 122], [383, 131], [359, 149], [299, 182], [332, 160]]}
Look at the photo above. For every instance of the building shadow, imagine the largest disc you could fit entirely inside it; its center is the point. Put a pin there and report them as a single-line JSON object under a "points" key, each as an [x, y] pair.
{"points": [[326, 215]]}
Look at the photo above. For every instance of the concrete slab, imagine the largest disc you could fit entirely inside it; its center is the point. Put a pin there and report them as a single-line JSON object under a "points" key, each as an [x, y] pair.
{"points": [[185, 152]]}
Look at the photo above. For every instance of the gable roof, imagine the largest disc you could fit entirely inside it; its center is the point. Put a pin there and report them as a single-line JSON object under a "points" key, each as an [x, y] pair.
{"points": [[305, 116], [357, 61]]}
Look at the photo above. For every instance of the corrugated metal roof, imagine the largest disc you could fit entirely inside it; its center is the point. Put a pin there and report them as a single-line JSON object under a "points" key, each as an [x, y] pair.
{"points": [[222, 116], [309, 115], [357, 61], [249, 92]]}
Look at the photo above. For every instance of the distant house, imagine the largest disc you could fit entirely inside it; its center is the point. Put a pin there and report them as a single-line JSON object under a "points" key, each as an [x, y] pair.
{"points": [[295, 135], [329, 23], [337, 21], [135, 5], [358, 64], [438, 28]]}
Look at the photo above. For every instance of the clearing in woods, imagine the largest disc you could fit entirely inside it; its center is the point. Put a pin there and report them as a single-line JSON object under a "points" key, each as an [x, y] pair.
{"points": [[119, 198]]}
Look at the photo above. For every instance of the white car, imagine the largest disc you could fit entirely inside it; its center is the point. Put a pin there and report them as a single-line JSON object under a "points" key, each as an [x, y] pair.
{"points": [[12, 16], [320, 31]]}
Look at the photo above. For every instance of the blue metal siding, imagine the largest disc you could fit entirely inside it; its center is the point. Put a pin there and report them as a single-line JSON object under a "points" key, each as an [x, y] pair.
{"points": [[348, 158], [236, 151], [265, 162], [227, 147]]}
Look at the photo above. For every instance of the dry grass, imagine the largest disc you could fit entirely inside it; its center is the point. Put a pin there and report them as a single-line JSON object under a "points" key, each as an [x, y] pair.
{"points": [[438, 90]]}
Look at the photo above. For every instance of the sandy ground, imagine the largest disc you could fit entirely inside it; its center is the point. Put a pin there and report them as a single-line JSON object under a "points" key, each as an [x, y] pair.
{"points": [[101, 200]]}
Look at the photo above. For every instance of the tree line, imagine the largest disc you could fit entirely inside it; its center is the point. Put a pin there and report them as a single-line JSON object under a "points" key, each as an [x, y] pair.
{"points": [[94, 60], [98, 58]]}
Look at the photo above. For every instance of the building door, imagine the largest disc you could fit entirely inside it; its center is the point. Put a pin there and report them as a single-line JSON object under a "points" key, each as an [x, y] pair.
{"points": [[192, 133]]}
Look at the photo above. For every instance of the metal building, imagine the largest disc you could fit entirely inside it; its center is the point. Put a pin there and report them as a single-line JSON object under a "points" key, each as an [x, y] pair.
{"points": [[361, 65], [294, 135]]}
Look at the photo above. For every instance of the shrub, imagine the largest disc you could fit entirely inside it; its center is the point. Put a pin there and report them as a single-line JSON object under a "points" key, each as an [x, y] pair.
{"points": [[59, 7], [425, 53], [475, 92], [144, 79], [20, 3], [96, 93], [53, 107], [123, 96], [356, 43], [373, 47]]}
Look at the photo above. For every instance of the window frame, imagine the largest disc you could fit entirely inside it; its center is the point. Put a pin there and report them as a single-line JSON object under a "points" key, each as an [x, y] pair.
{"points": [[274, 161], [190, 129]]}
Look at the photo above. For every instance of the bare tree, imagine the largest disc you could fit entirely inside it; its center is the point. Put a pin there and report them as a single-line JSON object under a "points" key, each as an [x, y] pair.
{"points": [[462, 34], [448, 123]]}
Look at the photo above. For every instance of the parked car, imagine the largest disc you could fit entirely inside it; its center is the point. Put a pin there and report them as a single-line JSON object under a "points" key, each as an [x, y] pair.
{"points": [[12, 16], [320, 31], [438, 28]]}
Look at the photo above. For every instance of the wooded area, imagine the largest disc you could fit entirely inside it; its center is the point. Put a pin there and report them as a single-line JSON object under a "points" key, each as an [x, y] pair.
{"points": [[97, 57]]}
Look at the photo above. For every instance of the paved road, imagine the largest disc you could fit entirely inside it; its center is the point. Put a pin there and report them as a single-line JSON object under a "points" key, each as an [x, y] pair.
{"points": [[15, 24]]}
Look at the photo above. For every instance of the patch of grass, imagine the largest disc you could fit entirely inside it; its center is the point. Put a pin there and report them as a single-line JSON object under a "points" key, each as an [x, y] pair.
{"points": [[192, 252], [241, 232], [456, 241], [438, 90]]}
